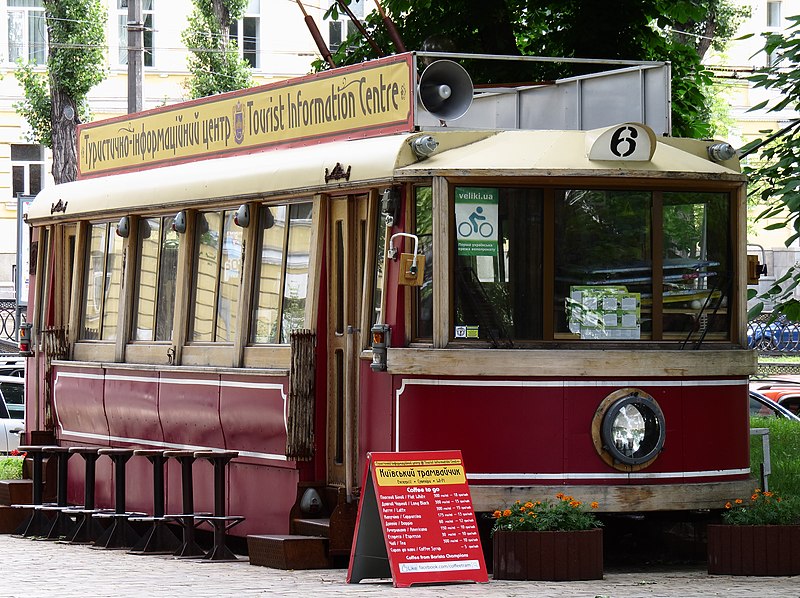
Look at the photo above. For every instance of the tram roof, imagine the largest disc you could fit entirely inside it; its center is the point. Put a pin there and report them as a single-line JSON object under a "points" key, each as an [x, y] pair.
{"points": [[377, 160]]}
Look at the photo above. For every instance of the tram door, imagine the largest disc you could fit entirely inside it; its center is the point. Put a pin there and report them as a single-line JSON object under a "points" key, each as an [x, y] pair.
{"points": [[346, 259]]}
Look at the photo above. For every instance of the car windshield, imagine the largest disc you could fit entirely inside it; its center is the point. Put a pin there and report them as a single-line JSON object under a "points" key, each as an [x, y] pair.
{"points": [[758, 409], [14, 395]]}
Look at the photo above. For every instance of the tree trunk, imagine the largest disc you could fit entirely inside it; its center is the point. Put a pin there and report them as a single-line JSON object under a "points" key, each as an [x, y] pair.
{"points": [[64, 118], [223, 17]]}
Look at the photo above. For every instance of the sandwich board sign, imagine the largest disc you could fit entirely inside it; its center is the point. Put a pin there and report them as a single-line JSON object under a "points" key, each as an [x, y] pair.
{"points": [[415, 521]]}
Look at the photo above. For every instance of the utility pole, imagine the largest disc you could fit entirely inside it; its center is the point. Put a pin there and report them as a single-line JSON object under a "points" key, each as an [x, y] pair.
{"points": [[135, 55]]}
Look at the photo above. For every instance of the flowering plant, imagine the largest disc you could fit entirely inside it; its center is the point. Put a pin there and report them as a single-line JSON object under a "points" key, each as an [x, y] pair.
{"points": [[763, 508], [563, 514]]}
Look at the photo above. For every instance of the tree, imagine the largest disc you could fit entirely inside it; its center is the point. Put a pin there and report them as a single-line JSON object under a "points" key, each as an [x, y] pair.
{"points": [[54, 104], [624, 29], [214, 63], [774, 176]]}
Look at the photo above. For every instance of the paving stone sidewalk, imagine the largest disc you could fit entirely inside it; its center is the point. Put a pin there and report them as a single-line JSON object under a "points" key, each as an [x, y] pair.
{"points": [[38, 569]]}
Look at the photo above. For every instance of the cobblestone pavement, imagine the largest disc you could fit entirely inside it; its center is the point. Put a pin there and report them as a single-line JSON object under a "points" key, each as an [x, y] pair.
{"points": [[37, 569]]}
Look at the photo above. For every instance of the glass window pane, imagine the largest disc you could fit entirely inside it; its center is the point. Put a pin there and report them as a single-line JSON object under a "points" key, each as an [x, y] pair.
{"points": [[697, 281], [603, 264], [123, 38], [36, 175], [167, 276], [15, 35], [26, 152], [424, 230], [36, 37], [206, 268], [295, 285], [18, 176], [146, 277], [773, 14], [231, 274], [14, 395], [272, 221], [94, 282], [148, 40], [113, 286], [498, 277], [380, 258], [250, 41]]}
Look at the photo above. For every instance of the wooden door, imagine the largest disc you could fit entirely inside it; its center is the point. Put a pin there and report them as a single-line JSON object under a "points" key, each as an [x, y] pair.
{"points": [[347, 233]]}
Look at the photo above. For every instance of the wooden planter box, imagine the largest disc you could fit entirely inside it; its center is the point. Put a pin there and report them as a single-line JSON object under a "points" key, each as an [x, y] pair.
{"points": [[753, 549], [548, 556]]}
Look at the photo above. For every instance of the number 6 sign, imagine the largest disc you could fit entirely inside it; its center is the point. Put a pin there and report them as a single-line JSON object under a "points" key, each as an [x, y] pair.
{"points": [[626, 141]]}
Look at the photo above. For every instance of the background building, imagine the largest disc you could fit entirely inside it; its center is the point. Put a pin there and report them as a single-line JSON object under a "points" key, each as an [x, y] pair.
{"points": [[272, 36]]}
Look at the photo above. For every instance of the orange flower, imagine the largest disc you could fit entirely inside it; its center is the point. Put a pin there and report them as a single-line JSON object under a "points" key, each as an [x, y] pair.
{"points": [[522, 509], [497, 514], [529, 505], [522, 520], [575, 503], [768, 494], [560, 496], [516, 503], [594, 504], [728, 505], [738, 501], [507, 512], [754, 497]]}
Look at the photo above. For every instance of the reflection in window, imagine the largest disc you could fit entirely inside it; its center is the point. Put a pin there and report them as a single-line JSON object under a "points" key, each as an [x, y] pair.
{"points": [[380, 257], [14, 395], [603, 263], [156, 274], [217, 272], [27, 31], [498, 271], [423, 210], [244, 33], [697, 277], [281, 273], [102, 283], [147, 16]]}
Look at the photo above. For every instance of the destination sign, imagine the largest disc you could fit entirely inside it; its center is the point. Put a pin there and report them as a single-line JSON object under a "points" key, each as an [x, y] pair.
{"points": [[350, 102]]}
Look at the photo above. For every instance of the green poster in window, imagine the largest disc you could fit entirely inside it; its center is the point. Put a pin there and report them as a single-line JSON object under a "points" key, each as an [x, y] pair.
{"points": [[476, 220]]}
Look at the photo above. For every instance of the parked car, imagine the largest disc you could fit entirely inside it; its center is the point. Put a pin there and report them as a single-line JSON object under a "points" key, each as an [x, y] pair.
{"points": [[762, 406], [785, 391], [12, 412], [780, 335], [12, 366]]}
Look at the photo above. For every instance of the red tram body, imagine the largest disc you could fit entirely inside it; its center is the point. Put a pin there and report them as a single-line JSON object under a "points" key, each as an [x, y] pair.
{"points": [[592, 342]]}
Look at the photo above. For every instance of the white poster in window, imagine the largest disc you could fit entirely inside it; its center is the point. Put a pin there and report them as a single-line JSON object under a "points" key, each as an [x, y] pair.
{"points": [[476, 220]]}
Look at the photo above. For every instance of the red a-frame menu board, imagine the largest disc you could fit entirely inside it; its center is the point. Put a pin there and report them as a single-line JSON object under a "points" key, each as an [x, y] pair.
{"points": [[415, 521]]}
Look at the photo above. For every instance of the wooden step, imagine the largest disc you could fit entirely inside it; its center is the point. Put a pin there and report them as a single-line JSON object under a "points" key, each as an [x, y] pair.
{"points": [[319, 527], [16, 492], [288, 552], [11, 519]]}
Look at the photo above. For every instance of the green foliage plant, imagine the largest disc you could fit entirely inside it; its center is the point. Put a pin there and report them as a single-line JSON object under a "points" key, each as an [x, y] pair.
{"points": [[563, 514], [214, 62], [11, 468], [763, 508], [784, 448]]}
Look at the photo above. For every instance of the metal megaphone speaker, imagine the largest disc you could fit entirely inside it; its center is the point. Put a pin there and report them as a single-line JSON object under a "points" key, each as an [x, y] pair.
{"points": [[445, 90]]}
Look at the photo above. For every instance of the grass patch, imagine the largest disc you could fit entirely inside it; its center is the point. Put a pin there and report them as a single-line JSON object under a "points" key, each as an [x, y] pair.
{"points": [[10, 468], [784, 443]]}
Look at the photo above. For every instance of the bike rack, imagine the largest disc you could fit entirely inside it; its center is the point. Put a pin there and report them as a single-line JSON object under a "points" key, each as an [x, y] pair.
{"points": [[392, 252]]}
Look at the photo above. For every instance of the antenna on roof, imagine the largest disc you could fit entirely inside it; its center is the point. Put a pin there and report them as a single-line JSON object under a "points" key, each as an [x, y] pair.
{"points": [[312, 28], [391, 29]]}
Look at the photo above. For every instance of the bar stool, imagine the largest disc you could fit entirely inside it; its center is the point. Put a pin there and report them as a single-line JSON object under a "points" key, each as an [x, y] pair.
{"points": [[63, 525], [88, 529], [189, 547], [219, 521], [37, 524], [159, 539], [120, 534]]}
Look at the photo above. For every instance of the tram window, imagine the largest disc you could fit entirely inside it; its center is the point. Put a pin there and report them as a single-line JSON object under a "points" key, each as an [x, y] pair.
{"points": [[156, 273], [102, 283], [697, 280], [423, 211], [217, 274], [377, 283], [603, 264], [498, 264], [282, 272]]}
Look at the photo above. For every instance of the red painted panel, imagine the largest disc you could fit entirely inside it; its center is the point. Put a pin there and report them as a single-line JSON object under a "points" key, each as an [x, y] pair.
{"points": [[267, 512], [497, 428], [253, 414], [132, 407], [189, 409], [78, 404], [375, 430]]}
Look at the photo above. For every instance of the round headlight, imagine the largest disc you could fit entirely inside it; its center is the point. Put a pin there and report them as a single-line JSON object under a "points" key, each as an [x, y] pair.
{"points": [[631, 429]]}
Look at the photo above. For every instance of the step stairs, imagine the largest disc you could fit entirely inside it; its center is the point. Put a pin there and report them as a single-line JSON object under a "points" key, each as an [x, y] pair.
{"points": [[289, 551]]}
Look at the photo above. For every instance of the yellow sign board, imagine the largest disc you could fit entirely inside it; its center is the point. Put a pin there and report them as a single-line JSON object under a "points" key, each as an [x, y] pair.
{"points": [[359, 101], [419, 473]]}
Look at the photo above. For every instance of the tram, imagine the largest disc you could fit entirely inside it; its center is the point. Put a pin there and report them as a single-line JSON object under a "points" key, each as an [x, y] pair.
{"points": [[315, 269]]}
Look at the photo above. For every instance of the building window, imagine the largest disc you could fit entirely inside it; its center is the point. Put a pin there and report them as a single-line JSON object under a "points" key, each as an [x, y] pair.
{"points": [[245, 33], [281, 273], [102, 283], [156, 273], [343, 28], [27, 31], [773, 14], [27, 167], [217, 274], [147, 15]]}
